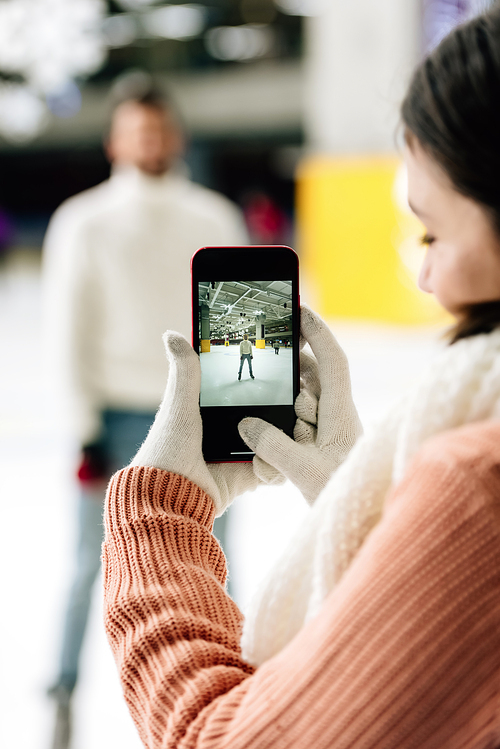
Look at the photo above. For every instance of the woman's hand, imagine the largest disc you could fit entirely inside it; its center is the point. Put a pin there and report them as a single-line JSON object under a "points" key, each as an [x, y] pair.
{"points": [[327, 424], [174, 441]]}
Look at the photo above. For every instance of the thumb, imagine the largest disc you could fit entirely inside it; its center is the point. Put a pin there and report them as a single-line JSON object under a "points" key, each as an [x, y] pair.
{"points": [[174, 440], [277, 449], [184, 377]]}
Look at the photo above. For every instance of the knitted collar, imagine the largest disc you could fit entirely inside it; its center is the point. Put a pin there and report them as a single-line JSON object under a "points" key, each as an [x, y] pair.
{"points": [[130, 180]]}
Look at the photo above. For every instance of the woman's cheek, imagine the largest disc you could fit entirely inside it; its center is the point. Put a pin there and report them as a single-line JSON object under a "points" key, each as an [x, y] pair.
{"points": [[424, 277]]}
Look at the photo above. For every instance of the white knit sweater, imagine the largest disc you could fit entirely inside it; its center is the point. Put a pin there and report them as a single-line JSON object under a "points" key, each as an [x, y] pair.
{"points": [[461, 386], [117, 275]]}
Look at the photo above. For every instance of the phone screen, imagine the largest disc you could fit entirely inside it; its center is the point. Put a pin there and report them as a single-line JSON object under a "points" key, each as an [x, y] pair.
{"points": [[246, 332], [246, 343]]}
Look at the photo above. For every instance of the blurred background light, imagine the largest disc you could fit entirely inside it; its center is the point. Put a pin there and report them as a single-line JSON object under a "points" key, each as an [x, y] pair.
{"points": [[175, 21], [51, 41], [302, 7], [119, 30], [246, 42], [22, 113], [65, 102]]}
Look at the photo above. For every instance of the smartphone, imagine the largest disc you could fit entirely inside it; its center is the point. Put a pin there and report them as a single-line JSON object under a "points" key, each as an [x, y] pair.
{"points": [[246, 332]]}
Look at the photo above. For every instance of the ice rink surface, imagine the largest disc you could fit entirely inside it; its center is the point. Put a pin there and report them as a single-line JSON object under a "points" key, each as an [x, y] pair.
{"points": [[37, 504], [272, 385]]}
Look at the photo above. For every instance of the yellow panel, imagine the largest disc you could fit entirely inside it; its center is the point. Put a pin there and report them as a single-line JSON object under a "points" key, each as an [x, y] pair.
{"points": [[260, 343], [359, 243], [205, 346]]}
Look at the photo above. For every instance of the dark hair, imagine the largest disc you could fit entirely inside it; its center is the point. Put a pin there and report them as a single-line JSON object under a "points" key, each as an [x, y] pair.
{"points": [[453, 109], [152, 98]]}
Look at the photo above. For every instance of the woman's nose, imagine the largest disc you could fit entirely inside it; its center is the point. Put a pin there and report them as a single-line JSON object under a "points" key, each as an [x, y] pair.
{"points": [[424, 275]]}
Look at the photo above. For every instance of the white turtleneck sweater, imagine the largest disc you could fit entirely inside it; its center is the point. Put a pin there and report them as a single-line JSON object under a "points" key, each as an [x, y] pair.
{"points": [[116, 276]]}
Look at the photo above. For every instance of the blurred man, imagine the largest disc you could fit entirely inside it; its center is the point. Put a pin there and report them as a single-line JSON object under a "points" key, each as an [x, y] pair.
{"points": [[117, 275]]}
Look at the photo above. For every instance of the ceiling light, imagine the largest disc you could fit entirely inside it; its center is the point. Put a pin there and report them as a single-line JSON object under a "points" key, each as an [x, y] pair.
{"points": [[119, 30], [175, 21], [22, 113], [51, 41], [246, 42]]}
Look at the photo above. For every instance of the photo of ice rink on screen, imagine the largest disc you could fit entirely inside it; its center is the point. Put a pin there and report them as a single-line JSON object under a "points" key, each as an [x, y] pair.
{"points": [[246, 343]]}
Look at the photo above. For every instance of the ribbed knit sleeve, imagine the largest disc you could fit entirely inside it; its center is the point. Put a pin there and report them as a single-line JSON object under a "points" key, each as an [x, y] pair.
{"points": [[404, 654]]}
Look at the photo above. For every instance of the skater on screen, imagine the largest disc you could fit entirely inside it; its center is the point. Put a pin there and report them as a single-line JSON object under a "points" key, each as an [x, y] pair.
{"points": [[246, 354], [276, 347]]}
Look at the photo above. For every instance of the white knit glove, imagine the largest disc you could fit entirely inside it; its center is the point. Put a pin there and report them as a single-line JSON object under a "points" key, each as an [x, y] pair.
{"points": [[327, 423], [174, 440]]}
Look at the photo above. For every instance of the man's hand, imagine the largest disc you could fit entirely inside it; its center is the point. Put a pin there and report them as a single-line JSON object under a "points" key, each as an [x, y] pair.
{"points": [[94, 464]]}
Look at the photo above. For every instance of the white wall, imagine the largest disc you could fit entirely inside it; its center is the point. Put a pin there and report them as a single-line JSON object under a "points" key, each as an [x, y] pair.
{"points": [[359, 56]]}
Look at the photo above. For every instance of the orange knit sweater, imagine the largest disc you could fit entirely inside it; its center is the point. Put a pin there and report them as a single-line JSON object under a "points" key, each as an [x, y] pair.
{"points": [[405, 652]]}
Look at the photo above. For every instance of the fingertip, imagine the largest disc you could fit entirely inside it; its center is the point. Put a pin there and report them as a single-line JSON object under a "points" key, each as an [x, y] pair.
{"points": [[309, 319], [306, 314], [175, 343], [309, 323], [244, 425], [248, 429], [246, 436]]}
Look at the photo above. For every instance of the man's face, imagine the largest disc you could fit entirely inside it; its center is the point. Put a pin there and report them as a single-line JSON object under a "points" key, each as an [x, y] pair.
{"points": [[145, 137]]}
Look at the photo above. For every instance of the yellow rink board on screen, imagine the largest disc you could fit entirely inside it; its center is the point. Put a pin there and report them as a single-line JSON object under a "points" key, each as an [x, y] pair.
{"points": [[205, 346], [359, 243], [260, 343]]}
